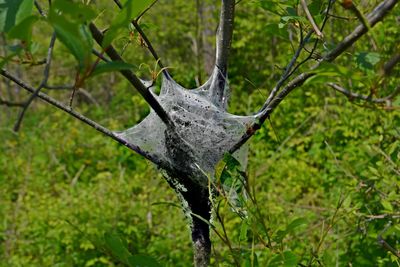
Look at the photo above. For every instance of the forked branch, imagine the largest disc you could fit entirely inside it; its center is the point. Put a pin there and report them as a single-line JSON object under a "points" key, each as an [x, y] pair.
{"points": [[351, 95], [43, 83]]}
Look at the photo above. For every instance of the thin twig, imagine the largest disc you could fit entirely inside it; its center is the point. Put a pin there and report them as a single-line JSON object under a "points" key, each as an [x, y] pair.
{"points": [[11, 104], [59, 87], [311, 19], [384, 100], [46, 74], [100, 55]]}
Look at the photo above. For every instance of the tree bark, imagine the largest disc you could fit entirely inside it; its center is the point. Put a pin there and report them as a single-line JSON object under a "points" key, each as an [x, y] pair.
{"points": [[224, 40]]}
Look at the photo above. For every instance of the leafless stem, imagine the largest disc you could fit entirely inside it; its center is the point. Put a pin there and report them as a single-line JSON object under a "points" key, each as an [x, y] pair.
{"points": [[46, 74], [100, 55], [385, 100], [59, 87], [11, 104], [311, 19]]}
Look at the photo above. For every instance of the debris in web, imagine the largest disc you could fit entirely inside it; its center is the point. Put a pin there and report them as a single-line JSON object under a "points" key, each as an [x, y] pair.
{"points": [[204, 130]]}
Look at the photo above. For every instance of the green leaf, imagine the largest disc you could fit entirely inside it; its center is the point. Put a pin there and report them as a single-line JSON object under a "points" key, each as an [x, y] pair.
{"points": [[387, 205], [280, 234], [111, 66], [296, 223], [287, 259], [23, 30], [243, 231], [12, 12], [114, 243], [367, 60], [142, 261], [74, 35], [128, 13]]}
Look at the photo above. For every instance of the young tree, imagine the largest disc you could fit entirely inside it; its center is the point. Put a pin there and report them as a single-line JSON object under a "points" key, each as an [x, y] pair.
{"points": [[188, 132]]}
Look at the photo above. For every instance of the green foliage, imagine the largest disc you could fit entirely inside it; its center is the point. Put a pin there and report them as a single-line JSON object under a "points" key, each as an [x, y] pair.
{"points": [[69, 22], [13, 13]]}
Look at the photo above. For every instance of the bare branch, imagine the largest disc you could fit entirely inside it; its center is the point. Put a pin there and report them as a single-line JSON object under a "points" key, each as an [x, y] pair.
{"points": [[100, 55], [46, 74], [82, 118], [385, 100], [224, 39], [390, 64], [224, 36], [311, 19], [133, 79], [59, 87], [290, 68], [11, 104]]}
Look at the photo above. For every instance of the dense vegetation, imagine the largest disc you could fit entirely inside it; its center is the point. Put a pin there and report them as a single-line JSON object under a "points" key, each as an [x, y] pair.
{"points": [[323, 172]]}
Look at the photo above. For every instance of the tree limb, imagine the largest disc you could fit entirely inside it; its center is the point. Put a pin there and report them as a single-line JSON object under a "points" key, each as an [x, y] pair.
{"points": [[390, 64], [129, 75], [224, 40], [133, 79], [82, 118], [224, 36]]}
